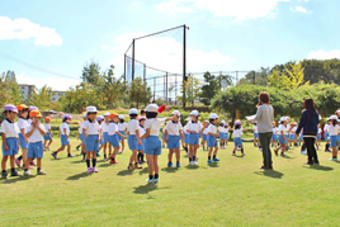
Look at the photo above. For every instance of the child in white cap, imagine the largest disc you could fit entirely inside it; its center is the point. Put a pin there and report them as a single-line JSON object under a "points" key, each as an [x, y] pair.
{"points": [[122, 129], [238, 132], [133, 138], [212, 134]]}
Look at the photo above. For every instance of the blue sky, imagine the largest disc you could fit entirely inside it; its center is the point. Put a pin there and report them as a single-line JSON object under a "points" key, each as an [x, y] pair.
{"points": [[62, 36]]}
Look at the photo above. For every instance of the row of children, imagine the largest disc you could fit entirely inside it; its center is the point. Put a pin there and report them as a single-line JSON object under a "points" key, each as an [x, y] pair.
{"points": [[27, 133]]}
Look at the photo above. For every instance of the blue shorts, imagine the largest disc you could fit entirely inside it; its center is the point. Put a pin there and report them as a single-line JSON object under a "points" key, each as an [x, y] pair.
{"points": [[22, 142], [194, 138], [12, 144], [152, 145], [223, 135], [212, 141], [91, 143], [123, 133], [140, 147], [114, 140], [173, 142], [186, 138], [326, 136], [282, 141], [301, 137], [275, 137], [204, 137], [132, 142], [35, 150], [47, 136], [256, 135], [106, 137], [101, 142], [238, 141], [163, 136], [292, 136], [64, 140], [82, 137], [334, 141]]}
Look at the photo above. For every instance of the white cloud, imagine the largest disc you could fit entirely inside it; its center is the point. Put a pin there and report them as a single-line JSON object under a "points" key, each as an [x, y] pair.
{"points": [[300, 9], [166, 53], [54, 82], [323, 54], [240, 9], [22, 29]]}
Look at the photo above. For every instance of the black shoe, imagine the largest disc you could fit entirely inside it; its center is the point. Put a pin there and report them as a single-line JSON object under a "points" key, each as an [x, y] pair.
{"points": [[14, 173], [309, 163], [69, 156], [316, 163], [4, 175]]}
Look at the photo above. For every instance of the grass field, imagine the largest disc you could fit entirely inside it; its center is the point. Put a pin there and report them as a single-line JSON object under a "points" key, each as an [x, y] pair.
{"points": [[233, 193]]}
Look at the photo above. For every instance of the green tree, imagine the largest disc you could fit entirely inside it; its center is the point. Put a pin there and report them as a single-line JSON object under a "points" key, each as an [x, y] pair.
{"points": [[9, 88], [192, 87], [42, 98], [256, 77], [139, 92]]}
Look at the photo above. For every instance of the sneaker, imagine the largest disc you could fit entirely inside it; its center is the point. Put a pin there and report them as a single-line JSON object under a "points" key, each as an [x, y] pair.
{"points": [[4, 175], [138, 166], [303, 152], [17, 162], [42, 172], [130, 167], [77, 147], [14, 173], [233, 154], [243, 154], [216, 160], [113, 161], [69, 155], [283, 155], [170, 164], [89, 170], [309, 163], [54, 155], [210, 162], [333, 159], [94, 169], [150, 181], [195, 163], [178, 165], [28, 173], [155, 180], [276, 152]]}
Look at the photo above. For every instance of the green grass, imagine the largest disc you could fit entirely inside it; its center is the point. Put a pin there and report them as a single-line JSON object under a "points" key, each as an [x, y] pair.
{"points": [[233, 193]]}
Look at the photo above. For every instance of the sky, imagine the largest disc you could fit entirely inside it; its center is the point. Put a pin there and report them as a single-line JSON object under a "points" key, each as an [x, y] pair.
{"points": [[48, 42]]}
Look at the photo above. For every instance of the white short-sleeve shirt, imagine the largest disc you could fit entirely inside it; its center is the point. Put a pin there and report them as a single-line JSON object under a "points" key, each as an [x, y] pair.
{"points": [[22, 124], [255, 129], [283, 129], [91, 127], [132, 126], [173, 128], [122, 126], [293, 130], [63, 126], [47, 126], [81, 124], [238, 132], [196, 127], [155, 125], [141, 131], [333, 130], [36, 135], [112, 128], [276, 131], [10, 129], [212, 128], [105, 126]]}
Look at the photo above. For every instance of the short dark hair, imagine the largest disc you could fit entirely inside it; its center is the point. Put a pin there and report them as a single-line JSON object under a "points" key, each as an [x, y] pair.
{"points": [[121, 120], [133, 116], [142, 111], [151, 115], [264, 97]]}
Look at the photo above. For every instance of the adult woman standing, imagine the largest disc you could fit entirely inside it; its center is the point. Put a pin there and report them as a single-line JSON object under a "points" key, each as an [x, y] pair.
{"points": [[309, 125], [264, 118]]}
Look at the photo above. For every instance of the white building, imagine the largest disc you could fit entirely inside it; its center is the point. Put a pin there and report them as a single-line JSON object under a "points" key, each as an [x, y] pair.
{"points": [[26, 91], [57, 95]]}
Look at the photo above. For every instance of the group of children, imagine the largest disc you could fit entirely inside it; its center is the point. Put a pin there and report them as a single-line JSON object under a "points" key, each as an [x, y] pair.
{"points": [[142, 132]]}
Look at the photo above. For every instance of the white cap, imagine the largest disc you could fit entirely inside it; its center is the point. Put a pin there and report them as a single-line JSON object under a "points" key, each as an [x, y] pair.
{"points": [[194, 113], [337, 111], [120, 116], [333, 117], [222, 122], [176, 112], [133, 111], [152, 108], [213, 116], [283, 119], [188, 119], [107, 114], [91, 109]]}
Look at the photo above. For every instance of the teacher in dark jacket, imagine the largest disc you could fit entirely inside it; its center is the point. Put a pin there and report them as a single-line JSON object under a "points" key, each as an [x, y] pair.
{"points": [[309, 125]]}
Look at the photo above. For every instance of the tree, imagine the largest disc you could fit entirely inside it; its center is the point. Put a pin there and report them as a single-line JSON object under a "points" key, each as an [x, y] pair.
{"points": [[256, 77], [42, 98], [275, 79], [192, 87], [91, 75], [213, 85], [139, 92], [9, 88]]}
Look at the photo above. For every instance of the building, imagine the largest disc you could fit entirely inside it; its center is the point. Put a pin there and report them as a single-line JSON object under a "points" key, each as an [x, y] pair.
{"points": [[26, 91], [57, 95]]}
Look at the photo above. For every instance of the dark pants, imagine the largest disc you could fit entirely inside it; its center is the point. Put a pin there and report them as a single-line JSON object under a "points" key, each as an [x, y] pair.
{"points": [[265, 144], [311, 152]]}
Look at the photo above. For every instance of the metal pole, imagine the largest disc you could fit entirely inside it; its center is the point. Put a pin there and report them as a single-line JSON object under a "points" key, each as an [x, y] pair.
{"points": [[254, 77], [166, 87], [125, 67], [133, 59], [236, 77], [144, 73], [154, 89], [184, 63]]}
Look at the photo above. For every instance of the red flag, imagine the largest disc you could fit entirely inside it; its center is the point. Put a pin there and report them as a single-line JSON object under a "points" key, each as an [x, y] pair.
{"points": [[161, 109]]}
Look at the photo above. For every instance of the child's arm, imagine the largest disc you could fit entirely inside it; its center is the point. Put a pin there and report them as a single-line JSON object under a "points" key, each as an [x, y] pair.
{"points": [[22, 130], [42, 132], [28, 134], [138, 138], [84, 133], [120, 134], [4, 141], [65, 132], [166, 136], [146, 134]]}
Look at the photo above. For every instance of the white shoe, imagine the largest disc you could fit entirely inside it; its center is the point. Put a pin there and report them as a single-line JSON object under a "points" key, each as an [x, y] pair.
{"points": [[28, 173], [195, 163]]}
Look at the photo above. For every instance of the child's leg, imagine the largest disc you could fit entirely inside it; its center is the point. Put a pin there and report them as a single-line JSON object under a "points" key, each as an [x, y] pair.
{"points": [[27, 163], [69, 149], [123, 145], [210, 152], [94, 160], [178, 155], [24, 155], [3, 163], [150, 164], [334, 152], [155, 164], [45, 142], [105, 147], [88, 157], [12, 159], [62, 148], [39, 163], [49, 143], [133, 157], [191, 151], [215, 152], [110, 149], [171, 151]]}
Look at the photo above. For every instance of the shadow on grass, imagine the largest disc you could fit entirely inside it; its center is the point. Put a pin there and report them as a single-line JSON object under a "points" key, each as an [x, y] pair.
{"points": [[145, 189], [78, 176], [170, 169], [143, 171], [286, 157], [213, 165], [125, 172], [270, 173], [106, 165], [319, 167], [16, 179], [192, 167], [78, 161]]}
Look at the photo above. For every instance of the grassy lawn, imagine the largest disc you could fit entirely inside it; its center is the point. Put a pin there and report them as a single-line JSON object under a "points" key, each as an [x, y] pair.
{"points": [[233, 193]]}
